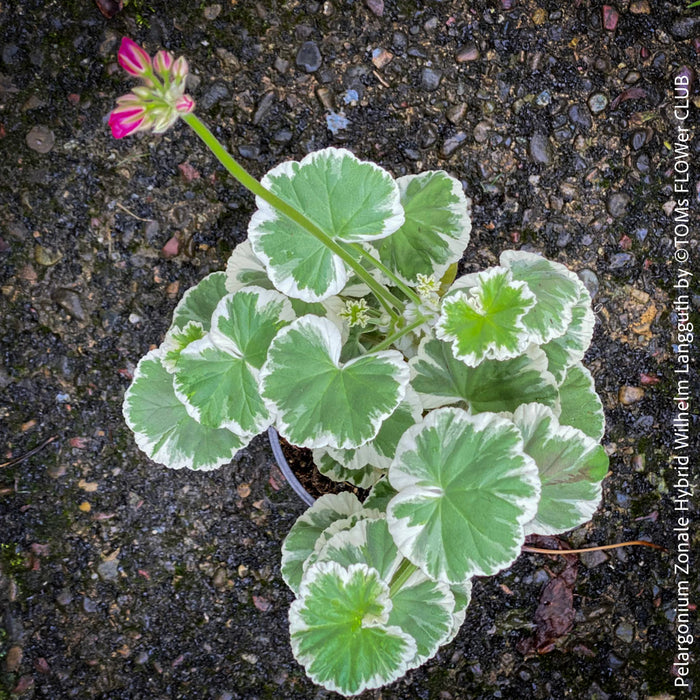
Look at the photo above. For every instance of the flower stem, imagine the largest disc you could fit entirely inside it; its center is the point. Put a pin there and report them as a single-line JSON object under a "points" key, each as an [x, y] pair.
{"points": [[385, 297], [386, 271], [401, 575], [388, 342]]}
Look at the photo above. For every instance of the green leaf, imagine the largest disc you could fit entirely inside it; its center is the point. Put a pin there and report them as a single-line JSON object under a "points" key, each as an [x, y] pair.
{"points": [[244, 269], [301, 539], [581, 407], [341, 525], [556, 290], [568, 349], [496, 386], [220, 390], [364, 477], [380, 495], [571, 466], [176, 340], [245, 323], [198, 302], [485, 322], [216, 377], [465, 490], [320, 402], [421, 607], [162, 427], [436, 229], [340, 632], [377, 454], [348, 199]]}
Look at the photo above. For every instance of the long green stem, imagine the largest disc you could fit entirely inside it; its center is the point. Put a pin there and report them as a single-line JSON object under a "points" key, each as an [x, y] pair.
{"points": [[402, 574], [387, 272], [385, 297], [388, 342]]}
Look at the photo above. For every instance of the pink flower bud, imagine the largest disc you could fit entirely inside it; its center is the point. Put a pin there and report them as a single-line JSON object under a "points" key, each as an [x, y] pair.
{"points": [[126, 119], [184, 104], [133, 59], [180, 69], [163, 62]]}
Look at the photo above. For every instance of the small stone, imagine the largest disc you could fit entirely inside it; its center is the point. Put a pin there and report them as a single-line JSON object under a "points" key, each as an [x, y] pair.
{"points": [[610, 17], [468, 52], [250, 151], [540, 149], [89, 606], [590, 281], [620, 260], [628, 395], [40, 139], [212, 12], [568, 191], [544, 98], [632, 77], [625, 632], [325, 97], [13, 659], [597, 102], [563, 239], [430, 79], [642, 163], [639, 138], [283, 136], [23, 685], [216, 93], [453, 143], [580, 116], [108, 570], [686, 27], [640, 7], [250, 658], [592, 559], [64, 598], [481, 132], [375, 6], [309, 57], [456, 113], [281, 66], [264, 107], [686, 77], [171, 248], [220, 578], [45, 256], [70, 301], [42, 666], [539, 16], [617, 204], [141, 658], [380, 58]]}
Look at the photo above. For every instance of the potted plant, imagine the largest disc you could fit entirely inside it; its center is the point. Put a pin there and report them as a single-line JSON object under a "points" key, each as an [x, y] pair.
{"points": [[461, 404]]}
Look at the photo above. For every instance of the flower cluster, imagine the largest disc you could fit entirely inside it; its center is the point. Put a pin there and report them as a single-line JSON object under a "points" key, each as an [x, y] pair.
{"points": [[158, 102]]}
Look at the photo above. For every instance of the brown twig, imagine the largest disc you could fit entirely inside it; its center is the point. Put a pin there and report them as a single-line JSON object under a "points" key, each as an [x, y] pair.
{"points": [[641, 543], [38, 448]]}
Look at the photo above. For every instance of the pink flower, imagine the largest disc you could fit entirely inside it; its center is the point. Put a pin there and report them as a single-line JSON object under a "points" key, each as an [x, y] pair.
{"points": [[126, 119], [180, 69], [163, 62], [159, 101], [185, 104], [133, 59]]}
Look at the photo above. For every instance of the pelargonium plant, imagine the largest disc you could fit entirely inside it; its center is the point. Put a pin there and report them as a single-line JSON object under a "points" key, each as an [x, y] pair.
{"points": [[461, 404]]}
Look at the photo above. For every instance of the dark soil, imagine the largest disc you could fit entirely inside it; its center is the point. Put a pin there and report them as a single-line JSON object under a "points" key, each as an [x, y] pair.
{"points": [[301, 462], [120, 579]]}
